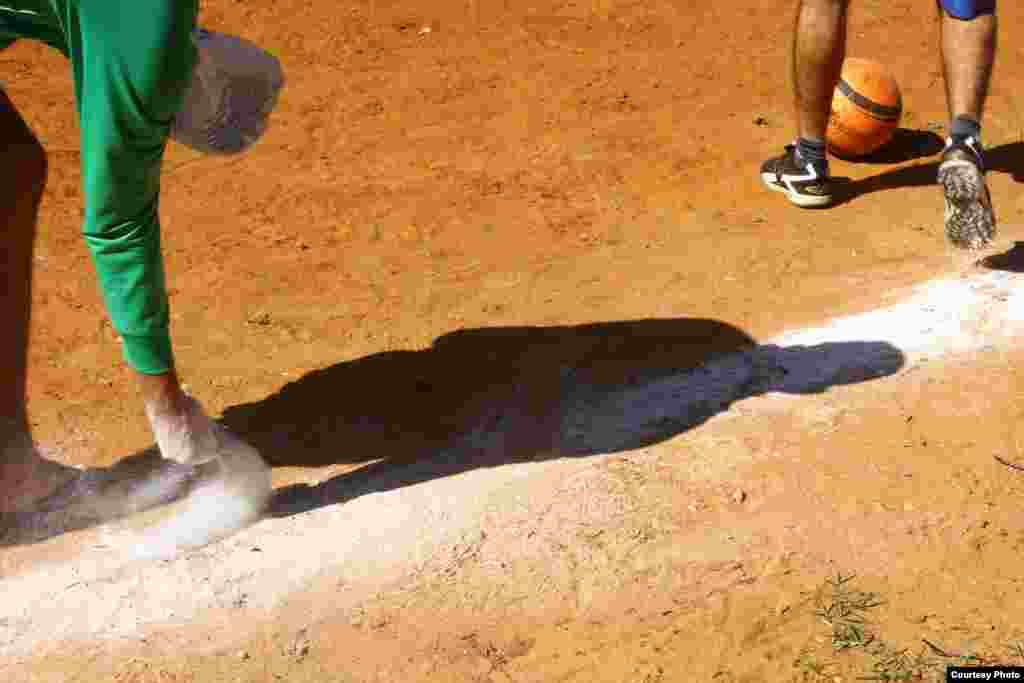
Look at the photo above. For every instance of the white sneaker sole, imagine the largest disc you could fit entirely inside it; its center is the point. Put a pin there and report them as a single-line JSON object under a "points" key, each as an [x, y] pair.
{"points": [[806, 201]]}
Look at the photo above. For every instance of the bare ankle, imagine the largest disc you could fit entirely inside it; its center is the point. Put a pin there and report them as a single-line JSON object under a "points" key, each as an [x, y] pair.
{"points": [[14, 435]]}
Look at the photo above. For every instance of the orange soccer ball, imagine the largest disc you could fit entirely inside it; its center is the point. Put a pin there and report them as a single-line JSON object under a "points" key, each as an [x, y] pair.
{"points": [[866, 109]]}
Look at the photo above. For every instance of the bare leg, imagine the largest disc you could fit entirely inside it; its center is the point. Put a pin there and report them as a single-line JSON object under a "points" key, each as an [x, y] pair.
{"points": [[968, 52], [818, 50], [22, 178], [24, 476]]}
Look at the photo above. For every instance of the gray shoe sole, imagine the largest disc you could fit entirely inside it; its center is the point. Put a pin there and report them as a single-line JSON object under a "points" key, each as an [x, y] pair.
{"points": [[970, 222]]}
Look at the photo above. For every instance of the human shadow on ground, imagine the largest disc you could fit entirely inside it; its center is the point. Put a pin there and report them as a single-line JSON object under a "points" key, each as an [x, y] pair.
{"points": [[481, 398], [489, 397], [1008, 158]]}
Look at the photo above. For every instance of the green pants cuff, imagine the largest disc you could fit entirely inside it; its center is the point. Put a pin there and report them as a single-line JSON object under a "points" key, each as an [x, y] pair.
{"points": [[148, 354]]}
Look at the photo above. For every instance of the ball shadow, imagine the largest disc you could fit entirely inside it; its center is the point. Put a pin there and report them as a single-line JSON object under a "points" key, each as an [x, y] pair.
{"points": [[906, 145]]}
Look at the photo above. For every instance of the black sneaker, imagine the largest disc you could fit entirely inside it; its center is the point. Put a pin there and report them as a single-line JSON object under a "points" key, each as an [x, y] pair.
{"points": [[804, 183], [970, 222]]}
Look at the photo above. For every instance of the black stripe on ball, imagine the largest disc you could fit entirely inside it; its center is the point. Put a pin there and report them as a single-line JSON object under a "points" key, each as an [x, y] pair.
{"points": [[879, 111]]}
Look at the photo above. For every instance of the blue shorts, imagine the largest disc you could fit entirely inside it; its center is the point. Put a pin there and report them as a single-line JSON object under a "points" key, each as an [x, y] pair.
{"points": [[968, 9]]}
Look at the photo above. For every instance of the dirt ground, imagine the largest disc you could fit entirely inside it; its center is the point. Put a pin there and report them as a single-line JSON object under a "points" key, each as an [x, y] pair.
{"points": [[445, 296]]}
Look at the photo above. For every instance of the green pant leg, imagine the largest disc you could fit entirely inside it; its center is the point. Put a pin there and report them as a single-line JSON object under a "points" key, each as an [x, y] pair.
{"points": [[34, 19], [132, 62]]}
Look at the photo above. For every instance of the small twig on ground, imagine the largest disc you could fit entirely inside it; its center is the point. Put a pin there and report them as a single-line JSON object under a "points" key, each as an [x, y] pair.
{"points": [[938, 650], [1011, 465]]}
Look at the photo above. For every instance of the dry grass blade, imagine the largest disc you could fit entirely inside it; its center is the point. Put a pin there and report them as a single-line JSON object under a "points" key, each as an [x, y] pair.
{"points": [[843, 610]]}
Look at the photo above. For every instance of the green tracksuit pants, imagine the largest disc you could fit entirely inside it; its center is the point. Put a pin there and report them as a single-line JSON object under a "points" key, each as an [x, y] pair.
{"points": [[132, 62]]}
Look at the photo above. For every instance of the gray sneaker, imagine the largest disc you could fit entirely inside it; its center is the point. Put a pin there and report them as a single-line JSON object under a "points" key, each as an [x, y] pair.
{"points": [[970, 221]]}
